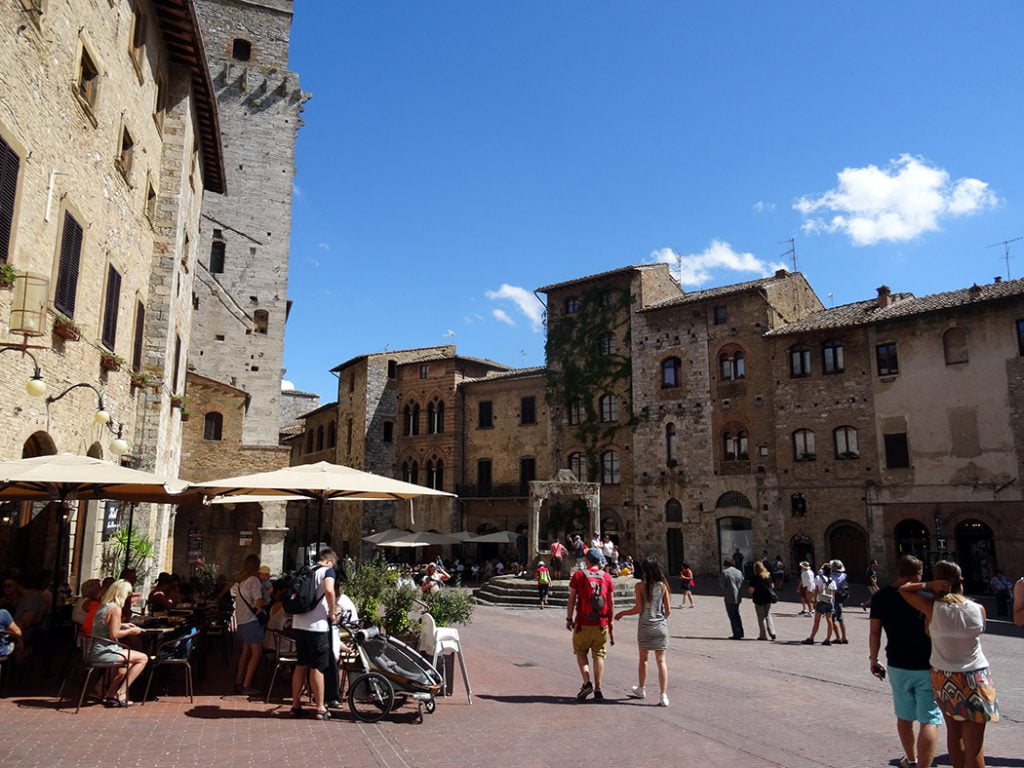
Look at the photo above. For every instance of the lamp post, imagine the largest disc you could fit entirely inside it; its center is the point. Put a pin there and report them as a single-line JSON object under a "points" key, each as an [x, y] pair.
{"points": [[118, 446], [35, 386]]}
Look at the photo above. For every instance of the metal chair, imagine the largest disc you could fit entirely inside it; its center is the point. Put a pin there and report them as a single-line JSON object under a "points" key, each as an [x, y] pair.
{"points": [[443, 641], [90, 666], [176, 652], [284, 656]]}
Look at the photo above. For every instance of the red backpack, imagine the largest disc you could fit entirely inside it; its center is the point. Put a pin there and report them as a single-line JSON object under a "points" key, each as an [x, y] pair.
{"points": [[594, 604]]}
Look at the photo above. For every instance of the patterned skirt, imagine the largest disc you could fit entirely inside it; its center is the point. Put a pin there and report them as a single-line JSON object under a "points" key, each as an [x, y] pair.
{"points": [[966, 696]]}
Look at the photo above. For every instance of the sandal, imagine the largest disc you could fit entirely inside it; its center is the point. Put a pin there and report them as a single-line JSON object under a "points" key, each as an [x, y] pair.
{"points": [[325, 715], [118, 703]]}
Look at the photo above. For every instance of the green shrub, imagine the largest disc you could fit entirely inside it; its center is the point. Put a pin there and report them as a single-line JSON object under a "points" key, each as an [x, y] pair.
{"points": [[450, 606]]}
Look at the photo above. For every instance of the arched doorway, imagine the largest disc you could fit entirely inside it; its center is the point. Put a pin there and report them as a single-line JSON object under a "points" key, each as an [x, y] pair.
{"points": [[674, 550], [976, 553], [801, 548], [848, 542], [911, 538], [38, 444], [611, 523], [736, 533]]}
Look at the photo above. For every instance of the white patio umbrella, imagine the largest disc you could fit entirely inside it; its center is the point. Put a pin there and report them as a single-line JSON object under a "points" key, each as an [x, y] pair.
{"points": [[498, 537], [422, 539], [382, 536], [320, 482]]}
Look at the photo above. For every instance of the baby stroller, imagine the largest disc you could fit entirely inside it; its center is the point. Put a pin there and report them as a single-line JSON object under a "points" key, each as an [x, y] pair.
{"points": [[385, 673]]}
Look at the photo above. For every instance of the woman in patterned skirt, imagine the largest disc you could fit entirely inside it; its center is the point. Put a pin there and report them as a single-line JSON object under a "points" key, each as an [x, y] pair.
{"points": [[960, 674], [652, 603]]}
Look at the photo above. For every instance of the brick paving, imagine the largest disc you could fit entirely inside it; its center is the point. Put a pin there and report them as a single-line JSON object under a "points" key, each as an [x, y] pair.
{"points": [[747, 704]]}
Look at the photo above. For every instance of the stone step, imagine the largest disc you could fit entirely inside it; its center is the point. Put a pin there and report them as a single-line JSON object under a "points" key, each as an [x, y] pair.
{"points": [[518, 592]]}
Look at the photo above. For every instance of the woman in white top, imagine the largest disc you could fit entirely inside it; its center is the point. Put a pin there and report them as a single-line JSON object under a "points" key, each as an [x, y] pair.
{"points": [[960, 674], [248, 594]]}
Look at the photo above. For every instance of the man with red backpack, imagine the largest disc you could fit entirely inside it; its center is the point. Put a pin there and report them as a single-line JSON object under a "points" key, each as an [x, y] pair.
{"points": [[591, 593]]}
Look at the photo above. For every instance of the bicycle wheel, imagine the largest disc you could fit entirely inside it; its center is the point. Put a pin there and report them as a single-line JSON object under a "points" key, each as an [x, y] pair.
{"points": [[370, 697]]}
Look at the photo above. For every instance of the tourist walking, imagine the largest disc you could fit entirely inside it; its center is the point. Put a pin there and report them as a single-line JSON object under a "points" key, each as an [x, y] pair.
{"points": [[249, 602], [907, 655], [588, 615], [1002, 588], [824, 604], [737, 560], [842, 595], [312, 636], [686, 585], [578, 549], [763, 596], [652, 604], [543, 576], [778, 569], [558, 555], [806, 589], [961, 678], [731, 580], [872, 575]]}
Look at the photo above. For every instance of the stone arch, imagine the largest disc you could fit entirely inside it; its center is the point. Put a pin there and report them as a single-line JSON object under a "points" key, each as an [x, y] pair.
{"points": [[38, 444], [910, 537], [976, 553], [733, 499], [847, 541], [95, 451]]}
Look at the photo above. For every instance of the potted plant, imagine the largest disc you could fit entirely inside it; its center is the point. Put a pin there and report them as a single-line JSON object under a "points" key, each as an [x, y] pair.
{"points": [[185, 415], [110, 362], [140, 379], [65, 328], [7, 275], [177, 401], [397, 603]]}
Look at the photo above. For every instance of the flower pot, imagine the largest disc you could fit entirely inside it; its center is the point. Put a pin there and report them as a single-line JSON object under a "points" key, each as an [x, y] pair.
{"points": [[176, 402], [110, 364], [66, 331]]}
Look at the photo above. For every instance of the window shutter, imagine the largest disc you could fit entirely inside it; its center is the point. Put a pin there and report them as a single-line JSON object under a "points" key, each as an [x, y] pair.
{"points": [[67, 272], [111, 307], [9, 164], [140, 327]]}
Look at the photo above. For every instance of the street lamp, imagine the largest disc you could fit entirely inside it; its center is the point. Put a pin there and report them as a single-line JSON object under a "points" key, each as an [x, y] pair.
{"points": [[35, 386], [118, 446]]}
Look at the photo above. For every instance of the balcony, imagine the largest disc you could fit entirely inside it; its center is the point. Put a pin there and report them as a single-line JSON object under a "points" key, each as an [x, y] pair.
{"points": [[493, 491]]}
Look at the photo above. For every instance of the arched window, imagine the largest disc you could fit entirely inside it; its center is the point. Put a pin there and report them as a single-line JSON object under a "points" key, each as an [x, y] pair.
{"points": [[799, 361], [608, 408], [578, 465], [576, 411], [332, 435], [431, 422], [438, 480], [673, 511], [416, 418], [387, 431], [213, 426], [803, 445], [846, 443], [405, 472], [606, 344], [954, 346], [407, 420], [439, 419], [731, 364], [320, 437], [414, 472], [670, 368], [428, 471], [610, 471], [670, 444], [832, 357], [734, 445], [260, 320], [309, 441]]}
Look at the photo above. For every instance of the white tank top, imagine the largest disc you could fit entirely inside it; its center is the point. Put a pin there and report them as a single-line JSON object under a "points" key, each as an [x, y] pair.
{"points": [[956, 630]]}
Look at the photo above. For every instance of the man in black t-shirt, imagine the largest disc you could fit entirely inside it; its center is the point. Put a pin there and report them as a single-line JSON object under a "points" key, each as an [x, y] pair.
{"points": [[907, 653]]}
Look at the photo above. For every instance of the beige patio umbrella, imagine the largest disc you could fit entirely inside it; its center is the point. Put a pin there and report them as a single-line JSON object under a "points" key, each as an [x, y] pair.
{"points": [[320, 482], [382, 536], [422, 539]]}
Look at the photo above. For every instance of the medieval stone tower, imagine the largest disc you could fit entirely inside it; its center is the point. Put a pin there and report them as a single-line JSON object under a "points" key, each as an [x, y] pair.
{"points": [[242, 277]]}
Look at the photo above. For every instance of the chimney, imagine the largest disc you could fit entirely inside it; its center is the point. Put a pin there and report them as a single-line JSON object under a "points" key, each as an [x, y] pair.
{"points": [[780, 273], [974, 292], [884, 296], [998, 280]]}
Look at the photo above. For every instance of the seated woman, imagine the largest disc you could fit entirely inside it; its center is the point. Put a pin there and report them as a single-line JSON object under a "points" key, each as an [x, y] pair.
{"points": [[90, 597], [107, 627], [10, 635], [162, 596]]}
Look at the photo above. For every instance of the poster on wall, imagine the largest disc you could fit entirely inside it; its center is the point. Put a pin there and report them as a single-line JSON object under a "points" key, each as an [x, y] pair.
{"points": [[245, 538], [195, 545]]}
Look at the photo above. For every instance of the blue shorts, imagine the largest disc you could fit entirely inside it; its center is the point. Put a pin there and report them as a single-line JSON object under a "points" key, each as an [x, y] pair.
{"points": [[250, 632], [912, 695]]}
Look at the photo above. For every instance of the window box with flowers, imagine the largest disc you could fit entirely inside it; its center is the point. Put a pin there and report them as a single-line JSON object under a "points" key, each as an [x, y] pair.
{"points": [[65, 328], [178, 401], [110, 362], [7, 275], [141, 380]]}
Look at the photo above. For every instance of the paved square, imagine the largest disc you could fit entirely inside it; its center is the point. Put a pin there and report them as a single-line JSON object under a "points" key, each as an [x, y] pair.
{"points": [[746, 704]]}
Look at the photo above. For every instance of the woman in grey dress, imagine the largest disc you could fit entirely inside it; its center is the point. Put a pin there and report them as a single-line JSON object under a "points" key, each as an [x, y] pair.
{"points": [[652, 604], [106, 633]]}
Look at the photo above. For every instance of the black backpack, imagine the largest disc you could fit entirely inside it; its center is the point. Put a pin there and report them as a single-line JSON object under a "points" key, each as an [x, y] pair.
{"points": [[303, 595], [843, 593]]}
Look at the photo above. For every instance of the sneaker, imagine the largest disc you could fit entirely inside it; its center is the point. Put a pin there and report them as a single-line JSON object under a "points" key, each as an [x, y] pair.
{"points": [[827, 642], [637, 692], [585, 690], [664, 700], [598, 696], [808, 641], [844, 641], [904, 763]]}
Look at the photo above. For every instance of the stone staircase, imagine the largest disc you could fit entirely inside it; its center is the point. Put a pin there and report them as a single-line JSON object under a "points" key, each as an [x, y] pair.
{"points": [[519, 592]]}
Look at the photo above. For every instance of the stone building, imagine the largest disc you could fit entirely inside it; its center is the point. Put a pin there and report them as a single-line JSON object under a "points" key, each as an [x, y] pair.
{"points": [[109, 139]]}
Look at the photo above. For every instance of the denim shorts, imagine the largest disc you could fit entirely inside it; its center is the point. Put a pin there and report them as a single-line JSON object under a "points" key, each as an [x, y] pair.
{"points": [[912, 695], [250, 632]]}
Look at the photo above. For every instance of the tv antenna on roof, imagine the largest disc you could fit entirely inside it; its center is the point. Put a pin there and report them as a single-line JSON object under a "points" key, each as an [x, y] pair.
{"points": [[1006, 251], [791, 251]]}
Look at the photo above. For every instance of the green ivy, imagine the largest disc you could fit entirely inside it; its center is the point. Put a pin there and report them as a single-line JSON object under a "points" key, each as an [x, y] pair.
{"points": [[578, 370]]}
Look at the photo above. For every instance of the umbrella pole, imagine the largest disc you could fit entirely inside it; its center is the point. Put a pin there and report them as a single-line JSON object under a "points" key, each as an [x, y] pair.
{"points": [[60, 509], [128, 541], [305, 533], [319, 523]]}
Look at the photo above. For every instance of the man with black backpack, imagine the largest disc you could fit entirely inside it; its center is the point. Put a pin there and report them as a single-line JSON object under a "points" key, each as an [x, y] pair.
{"points": [[591, 593], [311, 601]]}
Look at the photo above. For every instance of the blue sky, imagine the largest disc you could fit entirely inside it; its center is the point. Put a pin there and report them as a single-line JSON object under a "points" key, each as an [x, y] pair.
{"points": [[453, 148]]}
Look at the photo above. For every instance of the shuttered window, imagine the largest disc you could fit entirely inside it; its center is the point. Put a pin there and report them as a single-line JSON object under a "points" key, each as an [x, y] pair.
{"points": [[9, 165], [140, 327], [110, 308], [67, 270], [177, 364]]}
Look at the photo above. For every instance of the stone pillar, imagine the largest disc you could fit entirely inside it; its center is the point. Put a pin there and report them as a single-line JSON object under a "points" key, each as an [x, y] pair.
{"points": [[272, 547], [594, 504], [534, 521]]}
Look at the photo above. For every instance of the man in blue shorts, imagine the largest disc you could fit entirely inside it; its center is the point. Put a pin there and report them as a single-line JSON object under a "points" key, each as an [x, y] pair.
{"points": [[907, 652]]}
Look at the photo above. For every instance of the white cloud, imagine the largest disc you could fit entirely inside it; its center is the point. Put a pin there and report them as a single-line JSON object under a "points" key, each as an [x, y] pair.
{"points": [[897, 203], [313, 263], [324, 246], [763, 206], [287, 386], [525, 302], [695, 269], [472, 319], [449, 334], [502, 317], [297, 190]]}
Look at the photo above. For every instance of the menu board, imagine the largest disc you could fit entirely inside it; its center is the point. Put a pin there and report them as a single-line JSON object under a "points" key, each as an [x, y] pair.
{"points": [[195, 545]]}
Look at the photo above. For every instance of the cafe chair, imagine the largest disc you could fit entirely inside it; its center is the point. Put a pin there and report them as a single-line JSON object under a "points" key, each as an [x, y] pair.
{"points": [[90, 666], [284, 656], [443, 641], [173, 653]]}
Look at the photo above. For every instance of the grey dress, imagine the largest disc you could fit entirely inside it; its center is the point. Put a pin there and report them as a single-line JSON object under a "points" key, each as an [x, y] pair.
{"points": [[103, 648], [652, 630]]}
